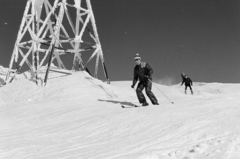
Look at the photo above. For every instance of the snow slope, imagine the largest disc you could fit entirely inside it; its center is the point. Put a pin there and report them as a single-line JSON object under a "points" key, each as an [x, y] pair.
{"points": [[78, 117], [3, 72]]}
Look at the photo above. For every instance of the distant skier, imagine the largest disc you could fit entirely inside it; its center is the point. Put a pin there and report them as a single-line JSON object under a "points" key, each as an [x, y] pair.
{"points": [[143, 72], [187, 81]]}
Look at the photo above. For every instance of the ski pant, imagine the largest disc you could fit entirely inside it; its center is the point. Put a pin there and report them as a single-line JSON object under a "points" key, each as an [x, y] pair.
{"points": [[188, 85], [148, 86]]}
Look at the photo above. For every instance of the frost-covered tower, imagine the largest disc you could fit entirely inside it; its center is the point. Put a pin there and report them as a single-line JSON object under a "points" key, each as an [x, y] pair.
{"points": [[52, 30]]}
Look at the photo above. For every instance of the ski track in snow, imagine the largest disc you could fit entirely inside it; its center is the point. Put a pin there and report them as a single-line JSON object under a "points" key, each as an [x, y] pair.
{"points": [[79, 117]]}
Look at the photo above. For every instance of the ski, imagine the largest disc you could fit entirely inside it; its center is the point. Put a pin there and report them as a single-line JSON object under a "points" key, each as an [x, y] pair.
{"points": [[130, 106], [134, 105]]}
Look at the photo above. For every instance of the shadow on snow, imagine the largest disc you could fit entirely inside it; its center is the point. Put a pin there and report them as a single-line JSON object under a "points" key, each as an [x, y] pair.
{"points": [[118, 102]]}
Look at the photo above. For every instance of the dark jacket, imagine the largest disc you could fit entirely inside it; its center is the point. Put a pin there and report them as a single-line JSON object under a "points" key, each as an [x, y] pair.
{"points": [[187, 81], [141, 71]]}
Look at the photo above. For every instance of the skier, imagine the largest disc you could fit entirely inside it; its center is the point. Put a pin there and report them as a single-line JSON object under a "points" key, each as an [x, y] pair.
{"points": [[188, 83], [143, 72]]}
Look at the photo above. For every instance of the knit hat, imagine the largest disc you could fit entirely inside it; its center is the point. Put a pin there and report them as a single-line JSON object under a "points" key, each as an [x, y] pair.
{"points": [[137, 56]]}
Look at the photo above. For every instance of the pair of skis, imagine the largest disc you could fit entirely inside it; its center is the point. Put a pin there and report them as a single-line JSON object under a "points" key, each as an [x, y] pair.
{"points": [[132, 106]]}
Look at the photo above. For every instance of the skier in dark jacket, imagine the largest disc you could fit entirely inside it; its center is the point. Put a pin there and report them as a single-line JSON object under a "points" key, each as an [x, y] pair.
{"points": [[143, 72], [188, 83]]}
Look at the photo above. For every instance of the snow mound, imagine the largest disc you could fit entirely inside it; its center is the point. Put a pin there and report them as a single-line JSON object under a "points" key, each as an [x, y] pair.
{"points": [[78, 116], [210, 88], [3, 72], [216, 88], [74, 86]]}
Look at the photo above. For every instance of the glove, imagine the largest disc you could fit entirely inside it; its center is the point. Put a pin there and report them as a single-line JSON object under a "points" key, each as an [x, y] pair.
{"points": [[132, 86], [146, 77]]}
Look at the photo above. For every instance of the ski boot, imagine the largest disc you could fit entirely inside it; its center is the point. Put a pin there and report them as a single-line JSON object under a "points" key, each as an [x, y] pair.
{"points": [[145, 104]]}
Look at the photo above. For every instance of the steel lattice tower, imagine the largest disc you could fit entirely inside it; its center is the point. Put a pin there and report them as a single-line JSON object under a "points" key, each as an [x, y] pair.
{"points": [[46, 28]]}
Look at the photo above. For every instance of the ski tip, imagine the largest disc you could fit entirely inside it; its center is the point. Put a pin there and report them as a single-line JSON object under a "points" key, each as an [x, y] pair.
{"points": [[123, 106]]}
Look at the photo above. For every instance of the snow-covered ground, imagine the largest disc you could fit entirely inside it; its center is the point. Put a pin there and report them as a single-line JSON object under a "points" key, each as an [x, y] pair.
{"points": [[78, 117]]}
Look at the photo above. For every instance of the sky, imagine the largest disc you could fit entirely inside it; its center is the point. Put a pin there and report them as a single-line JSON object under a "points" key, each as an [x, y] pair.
{"points": [[200, 38]]}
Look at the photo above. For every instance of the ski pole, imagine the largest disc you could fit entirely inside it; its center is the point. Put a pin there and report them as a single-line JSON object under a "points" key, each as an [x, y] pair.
{"points": [[161, 91]]}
